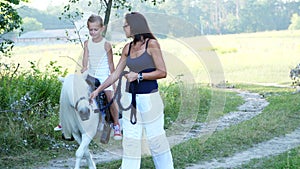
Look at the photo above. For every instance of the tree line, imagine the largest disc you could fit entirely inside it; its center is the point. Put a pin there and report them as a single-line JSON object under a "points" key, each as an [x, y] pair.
{"points": [[233, 16], [209, 17], [206, 17]]}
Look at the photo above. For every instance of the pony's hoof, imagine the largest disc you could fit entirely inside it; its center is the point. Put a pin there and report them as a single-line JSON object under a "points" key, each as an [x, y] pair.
{"points": [[67, 139]]}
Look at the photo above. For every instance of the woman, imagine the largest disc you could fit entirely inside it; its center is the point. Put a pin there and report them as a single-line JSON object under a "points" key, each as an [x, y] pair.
{"points": [[144, 59]]}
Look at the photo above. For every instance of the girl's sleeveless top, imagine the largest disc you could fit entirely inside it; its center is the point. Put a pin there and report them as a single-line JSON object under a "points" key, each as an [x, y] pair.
{"points": [[143, 64], [98, 61]]}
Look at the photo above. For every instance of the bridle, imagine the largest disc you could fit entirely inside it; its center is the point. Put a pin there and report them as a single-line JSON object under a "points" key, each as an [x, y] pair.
{"points": [[77, 102], [118, 96]]}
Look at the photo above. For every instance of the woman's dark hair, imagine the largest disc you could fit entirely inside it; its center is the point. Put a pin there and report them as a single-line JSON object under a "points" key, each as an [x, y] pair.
{"points": [[138, 26]]}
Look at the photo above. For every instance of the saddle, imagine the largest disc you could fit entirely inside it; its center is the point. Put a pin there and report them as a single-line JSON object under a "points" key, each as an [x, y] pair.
{"points": [[103, 107]]}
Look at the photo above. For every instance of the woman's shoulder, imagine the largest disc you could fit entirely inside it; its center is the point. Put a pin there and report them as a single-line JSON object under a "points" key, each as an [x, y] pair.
{"points": [[126, 48], [127, 45], [153, 43]]}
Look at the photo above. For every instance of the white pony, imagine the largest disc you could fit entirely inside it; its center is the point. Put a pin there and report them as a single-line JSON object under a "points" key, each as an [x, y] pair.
{"points": [[77, 116]]}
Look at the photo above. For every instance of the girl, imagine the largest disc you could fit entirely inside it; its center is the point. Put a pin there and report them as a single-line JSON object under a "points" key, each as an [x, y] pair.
{"points": [[98, 54]]}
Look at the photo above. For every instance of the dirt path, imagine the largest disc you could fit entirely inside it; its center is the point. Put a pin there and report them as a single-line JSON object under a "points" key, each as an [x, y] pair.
{"points": [[254, 104], [274, 146]]}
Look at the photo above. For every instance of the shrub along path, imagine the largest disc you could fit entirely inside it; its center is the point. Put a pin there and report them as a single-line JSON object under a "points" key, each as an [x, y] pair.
{"points": [[254, 104]]}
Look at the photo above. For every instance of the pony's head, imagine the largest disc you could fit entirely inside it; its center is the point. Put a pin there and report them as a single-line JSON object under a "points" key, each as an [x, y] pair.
{"points": [[84, 109]]}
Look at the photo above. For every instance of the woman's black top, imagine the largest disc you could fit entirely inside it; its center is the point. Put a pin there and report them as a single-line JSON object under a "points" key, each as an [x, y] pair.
{"points": [[141, 64]]}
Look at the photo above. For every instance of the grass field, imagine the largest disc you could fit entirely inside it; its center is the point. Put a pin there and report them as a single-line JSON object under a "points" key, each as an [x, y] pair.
{"points": [[265, 57], [259, 57]]}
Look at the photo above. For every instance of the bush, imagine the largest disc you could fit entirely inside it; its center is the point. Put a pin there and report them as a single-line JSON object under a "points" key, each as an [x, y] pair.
{"points": [[295, 75], [171, 97], [295, 22], [29, 107]]}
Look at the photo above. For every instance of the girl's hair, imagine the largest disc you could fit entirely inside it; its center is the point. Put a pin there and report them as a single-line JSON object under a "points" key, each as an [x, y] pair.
{"points": [[95, 18], [138, 26]]}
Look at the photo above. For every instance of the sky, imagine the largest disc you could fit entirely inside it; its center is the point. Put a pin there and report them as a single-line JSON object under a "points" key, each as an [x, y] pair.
{"points": [[43, 4]]}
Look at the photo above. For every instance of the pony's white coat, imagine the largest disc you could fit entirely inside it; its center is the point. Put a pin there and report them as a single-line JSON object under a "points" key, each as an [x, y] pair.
{"points": [[73, 90]]}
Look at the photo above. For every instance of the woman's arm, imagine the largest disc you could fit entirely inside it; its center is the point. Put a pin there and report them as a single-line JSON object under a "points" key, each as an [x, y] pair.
{"points": [[85, 58], [115, 75]]}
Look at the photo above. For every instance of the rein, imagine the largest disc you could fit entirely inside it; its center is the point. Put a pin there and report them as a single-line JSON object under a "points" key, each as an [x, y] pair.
{"points": [[118, 96]]}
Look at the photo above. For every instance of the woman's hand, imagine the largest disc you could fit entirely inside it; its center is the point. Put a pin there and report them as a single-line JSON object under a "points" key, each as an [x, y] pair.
{"points": [[131, 76], [94, 94], [83, 69]]}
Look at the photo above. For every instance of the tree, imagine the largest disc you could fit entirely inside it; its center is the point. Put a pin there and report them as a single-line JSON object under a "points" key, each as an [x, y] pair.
{"points": [[48, 19], [73, 13], [9, 21], [31, 24], [295, 22]]}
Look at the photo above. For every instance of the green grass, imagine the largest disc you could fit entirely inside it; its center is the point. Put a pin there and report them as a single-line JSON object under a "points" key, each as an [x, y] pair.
{"points": [[288, 160]]}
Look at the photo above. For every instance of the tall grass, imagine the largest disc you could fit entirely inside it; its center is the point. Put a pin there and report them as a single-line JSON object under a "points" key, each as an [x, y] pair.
{"points": [[28, 110]]}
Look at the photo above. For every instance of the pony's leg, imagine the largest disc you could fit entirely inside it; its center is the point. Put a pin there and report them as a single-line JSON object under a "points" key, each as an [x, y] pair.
{"points": [[89, 159], [82, 150], [86, 140], [77, 137]]}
